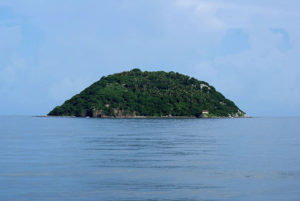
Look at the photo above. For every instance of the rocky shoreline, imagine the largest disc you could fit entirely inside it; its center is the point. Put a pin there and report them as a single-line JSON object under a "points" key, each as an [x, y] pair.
{"points": [[148, 117]]}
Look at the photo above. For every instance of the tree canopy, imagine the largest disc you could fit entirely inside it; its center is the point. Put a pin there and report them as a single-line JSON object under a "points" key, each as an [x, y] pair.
{"points": [[151, 94]]}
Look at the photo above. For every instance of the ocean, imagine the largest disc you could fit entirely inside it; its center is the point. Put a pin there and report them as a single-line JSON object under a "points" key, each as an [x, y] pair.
{"points": [[70, 159]]}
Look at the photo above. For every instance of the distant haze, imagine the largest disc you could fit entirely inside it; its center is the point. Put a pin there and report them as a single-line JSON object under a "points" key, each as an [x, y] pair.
{"points": [[249, 50]]}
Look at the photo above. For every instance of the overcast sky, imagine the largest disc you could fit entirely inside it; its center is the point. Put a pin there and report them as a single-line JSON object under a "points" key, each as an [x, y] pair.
{"points": [[51, 50]]}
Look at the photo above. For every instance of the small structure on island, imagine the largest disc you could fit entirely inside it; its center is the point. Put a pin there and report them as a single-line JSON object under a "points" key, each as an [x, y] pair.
{"points": [[205, 113]]}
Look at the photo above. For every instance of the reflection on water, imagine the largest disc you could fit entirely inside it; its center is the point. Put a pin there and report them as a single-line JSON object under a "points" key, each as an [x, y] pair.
{"points": [[149, 159]]}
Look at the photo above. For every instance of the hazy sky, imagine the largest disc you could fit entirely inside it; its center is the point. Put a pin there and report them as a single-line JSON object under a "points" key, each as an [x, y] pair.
{"points": [[51, 50]]}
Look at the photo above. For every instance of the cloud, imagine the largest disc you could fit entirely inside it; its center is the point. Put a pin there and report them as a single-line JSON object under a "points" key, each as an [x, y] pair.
{"points": [[205, 11], [54, 49], [259, 68]]}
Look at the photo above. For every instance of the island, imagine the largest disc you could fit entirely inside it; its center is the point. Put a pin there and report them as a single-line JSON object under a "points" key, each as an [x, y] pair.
{"points": [[144, 94]]}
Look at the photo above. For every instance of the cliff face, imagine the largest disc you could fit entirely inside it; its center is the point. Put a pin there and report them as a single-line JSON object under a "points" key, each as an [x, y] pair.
{"points": [[148, 94]]}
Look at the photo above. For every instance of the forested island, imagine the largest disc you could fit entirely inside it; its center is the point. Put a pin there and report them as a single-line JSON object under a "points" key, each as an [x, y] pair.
{"points": [[138, 94]]}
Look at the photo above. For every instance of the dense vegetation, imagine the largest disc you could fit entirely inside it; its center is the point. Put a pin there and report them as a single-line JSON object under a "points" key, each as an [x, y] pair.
{"points": [[154, 94]]}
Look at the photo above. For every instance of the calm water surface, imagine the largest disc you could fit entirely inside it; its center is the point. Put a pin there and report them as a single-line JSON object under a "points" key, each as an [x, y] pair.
{"points": [[44, 159]]}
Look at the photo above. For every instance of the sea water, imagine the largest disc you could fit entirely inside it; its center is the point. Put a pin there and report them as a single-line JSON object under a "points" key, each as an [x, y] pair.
{"points": [[43, 159]]}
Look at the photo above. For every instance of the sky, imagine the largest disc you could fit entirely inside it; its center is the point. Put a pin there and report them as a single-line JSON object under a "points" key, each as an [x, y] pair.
{"points": [[249, 51]]}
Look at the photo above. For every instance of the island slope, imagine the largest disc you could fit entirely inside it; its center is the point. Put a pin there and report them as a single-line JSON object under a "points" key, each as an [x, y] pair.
{"points": [[148, 94]]}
